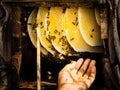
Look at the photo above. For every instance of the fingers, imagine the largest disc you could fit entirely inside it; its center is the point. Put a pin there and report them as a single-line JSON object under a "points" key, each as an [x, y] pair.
{"points": [[78, 64], [91, 77], [92, 74], [89, 70], [80, 71], [84, 67], [72, 69]]}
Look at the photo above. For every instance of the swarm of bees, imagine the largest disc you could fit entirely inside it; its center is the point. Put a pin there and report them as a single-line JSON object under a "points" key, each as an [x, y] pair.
{"points": [[65, 30]]}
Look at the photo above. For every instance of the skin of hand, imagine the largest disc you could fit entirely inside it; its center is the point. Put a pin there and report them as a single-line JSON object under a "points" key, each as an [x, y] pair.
{"points": [[78, 75]]}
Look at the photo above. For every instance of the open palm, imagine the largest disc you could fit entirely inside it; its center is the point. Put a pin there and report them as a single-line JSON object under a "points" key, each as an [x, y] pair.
{"points": [[77, 75]]}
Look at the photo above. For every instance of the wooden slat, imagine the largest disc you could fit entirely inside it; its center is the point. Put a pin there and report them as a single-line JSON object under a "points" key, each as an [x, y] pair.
{"points": [[31, 3], [38, 64], [50, 0]]}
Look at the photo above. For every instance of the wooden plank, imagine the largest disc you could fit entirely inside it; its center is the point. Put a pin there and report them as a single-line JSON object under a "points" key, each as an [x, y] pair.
{"points": [[51, 1], [48, 3], [16, 53]]}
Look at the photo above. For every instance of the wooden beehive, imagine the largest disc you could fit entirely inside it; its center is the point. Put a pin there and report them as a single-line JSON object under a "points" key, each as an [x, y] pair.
{"points": [[20, 53]]}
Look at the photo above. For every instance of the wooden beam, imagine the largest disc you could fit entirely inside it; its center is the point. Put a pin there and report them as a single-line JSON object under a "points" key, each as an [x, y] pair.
{"points": [[50, 0], [48, 3]]}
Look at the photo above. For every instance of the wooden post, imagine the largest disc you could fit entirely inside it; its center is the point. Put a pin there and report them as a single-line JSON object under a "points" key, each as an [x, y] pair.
{"points": [[38, 64]]}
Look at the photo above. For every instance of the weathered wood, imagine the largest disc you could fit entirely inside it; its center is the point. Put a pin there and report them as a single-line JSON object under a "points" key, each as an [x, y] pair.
{"points": [[117, 70], [11, 45], [118, 10], [114, 40], [48, 3], [16, 22], [104, 23], [109, 70], [3, 74], [51, 0], [16, 38], [112, 53], [5, 41], [2, 14], [115, 32], [16, 44], [14, 28]]}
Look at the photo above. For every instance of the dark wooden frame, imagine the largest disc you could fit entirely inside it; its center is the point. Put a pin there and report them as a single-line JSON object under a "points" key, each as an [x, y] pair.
{"points": [[13, 41]]}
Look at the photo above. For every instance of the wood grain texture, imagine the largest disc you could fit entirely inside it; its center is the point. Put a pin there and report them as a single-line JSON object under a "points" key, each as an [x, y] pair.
{"points": [[87, 3]]}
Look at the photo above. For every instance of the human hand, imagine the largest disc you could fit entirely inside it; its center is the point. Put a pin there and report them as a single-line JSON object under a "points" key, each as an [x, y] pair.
{"points": [[77, 75]]}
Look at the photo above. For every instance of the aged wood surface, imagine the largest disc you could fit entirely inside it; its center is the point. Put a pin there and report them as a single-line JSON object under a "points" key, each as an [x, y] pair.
{"points": [[16, 55], [10, 29], [5, 41], [114, 42], [50, 0], [104, 23], [16, 37], [87, 3]]}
